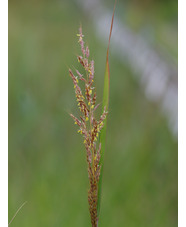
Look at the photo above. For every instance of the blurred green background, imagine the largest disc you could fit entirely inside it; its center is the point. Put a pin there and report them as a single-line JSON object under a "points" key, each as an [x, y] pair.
{"points": [[47, 162]]}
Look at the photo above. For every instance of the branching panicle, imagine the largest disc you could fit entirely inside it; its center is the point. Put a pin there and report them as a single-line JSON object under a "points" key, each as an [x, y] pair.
{"points": [[89, 127]]}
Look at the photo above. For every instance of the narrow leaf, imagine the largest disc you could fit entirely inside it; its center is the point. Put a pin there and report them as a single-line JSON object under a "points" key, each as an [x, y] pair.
{"points": [[105, 105], [17, 212]]}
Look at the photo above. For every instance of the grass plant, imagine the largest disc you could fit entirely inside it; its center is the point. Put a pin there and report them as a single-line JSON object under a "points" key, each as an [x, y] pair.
{"points": [[92, 129]]}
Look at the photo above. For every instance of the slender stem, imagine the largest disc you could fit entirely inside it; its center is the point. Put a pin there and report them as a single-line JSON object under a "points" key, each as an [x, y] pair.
{"points": [[17, 212]]}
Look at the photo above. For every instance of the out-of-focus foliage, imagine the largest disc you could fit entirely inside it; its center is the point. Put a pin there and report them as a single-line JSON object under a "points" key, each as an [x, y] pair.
{"points": [[47, 162]]}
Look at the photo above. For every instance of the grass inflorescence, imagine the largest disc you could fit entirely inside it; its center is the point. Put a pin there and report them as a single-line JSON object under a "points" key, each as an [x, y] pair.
{"points": [[89, 126]]}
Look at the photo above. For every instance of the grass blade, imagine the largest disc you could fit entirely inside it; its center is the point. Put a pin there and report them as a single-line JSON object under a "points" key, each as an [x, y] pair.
{"points": [[105, 105], [17, 212]]}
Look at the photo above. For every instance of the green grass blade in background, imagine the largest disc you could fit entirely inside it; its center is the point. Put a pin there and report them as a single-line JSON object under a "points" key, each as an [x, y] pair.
{"points": [[17, 212], [105, 105]]}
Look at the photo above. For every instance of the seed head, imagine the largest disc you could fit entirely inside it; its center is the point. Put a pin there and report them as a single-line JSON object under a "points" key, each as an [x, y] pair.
{"points": [[89, 127]]}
